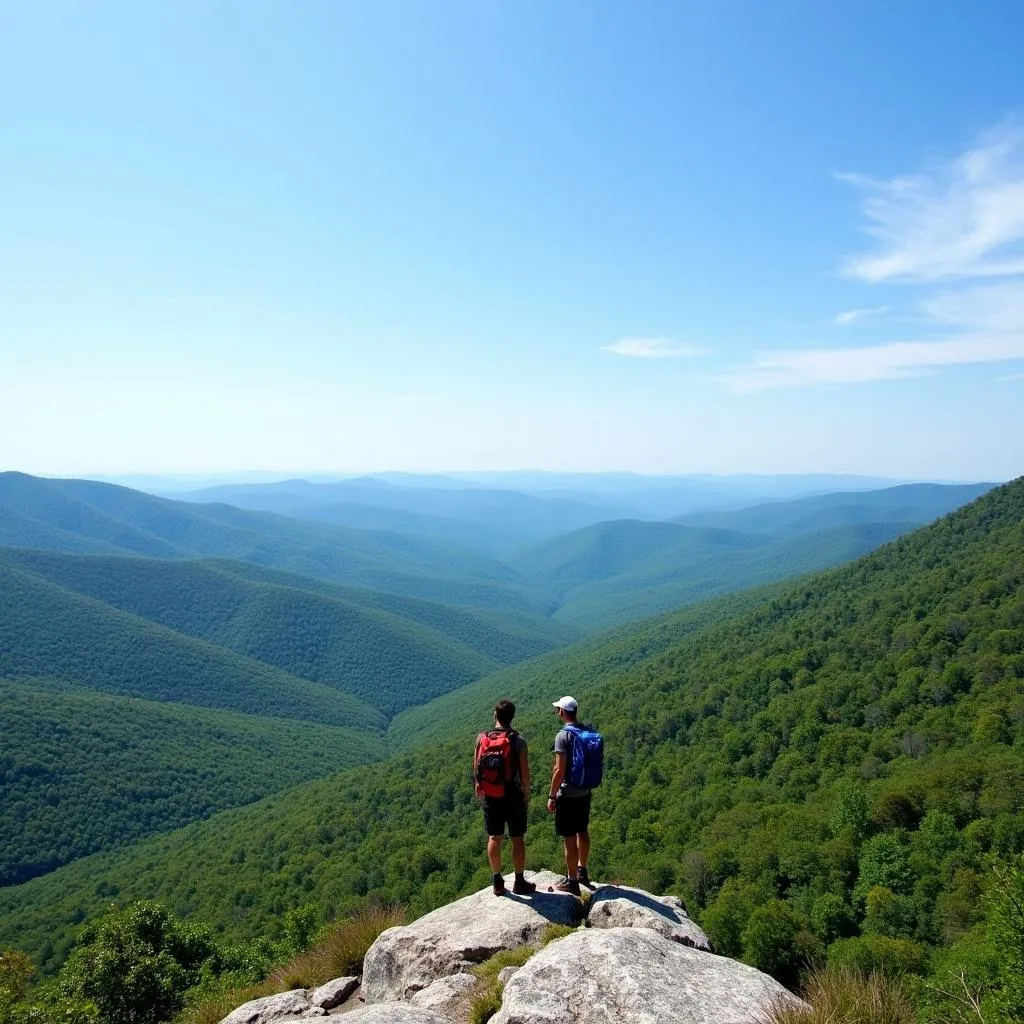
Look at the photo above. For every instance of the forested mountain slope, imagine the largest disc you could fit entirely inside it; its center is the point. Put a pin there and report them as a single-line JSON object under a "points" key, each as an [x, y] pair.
{"points": [[386, 660], [86, 517], [48, 631], [830, 768], [510, 516], [85, 771], [623, 571], [908, 503]]}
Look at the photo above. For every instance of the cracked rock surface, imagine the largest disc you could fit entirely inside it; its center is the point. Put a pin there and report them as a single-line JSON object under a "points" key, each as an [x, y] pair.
{"points": [[601, 976], [448, 940], [621, 906]]}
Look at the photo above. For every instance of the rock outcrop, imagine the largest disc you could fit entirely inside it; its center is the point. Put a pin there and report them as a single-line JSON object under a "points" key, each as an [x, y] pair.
{"points": [[600, 976], [621, 906], [448, 940], [334, 993], [640, 960], [284, 1006], [395, 1013], [447, 995]]}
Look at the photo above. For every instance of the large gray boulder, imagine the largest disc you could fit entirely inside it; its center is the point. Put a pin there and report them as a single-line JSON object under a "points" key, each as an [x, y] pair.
{"points": [[333, 993], [621, 906], [446, 941], [284, 1006], [447, 995], [606, 976], [395, 1013]]}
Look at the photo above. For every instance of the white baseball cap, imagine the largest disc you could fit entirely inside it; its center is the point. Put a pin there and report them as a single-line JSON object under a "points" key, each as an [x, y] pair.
{"points": [[567, 704]]}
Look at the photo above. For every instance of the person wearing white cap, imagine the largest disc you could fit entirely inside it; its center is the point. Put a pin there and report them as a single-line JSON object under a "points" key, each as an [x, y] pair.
{"points": [[569, 804]]}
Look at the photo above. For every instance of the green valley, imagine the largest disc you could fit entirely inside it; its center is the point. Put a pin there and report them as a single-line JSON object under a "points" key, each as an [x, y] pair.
{"points": [[824, 771]]}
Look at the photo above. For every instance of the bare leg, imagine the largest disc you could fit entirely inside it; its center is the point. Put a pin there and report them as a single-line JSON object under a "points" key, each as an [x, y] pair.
{"points": [[494, 853], [583, 844], [571, 857], [518, 854]]}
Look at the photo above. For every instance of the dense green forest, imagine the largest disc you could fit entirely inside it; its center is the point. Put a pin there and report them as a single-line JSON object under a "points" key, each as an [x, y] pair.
{"points": [[619, 572], [824, 776], [86, 517], [907, 503], [83, 771], [352, 643], [48, 631], [589, 579]]}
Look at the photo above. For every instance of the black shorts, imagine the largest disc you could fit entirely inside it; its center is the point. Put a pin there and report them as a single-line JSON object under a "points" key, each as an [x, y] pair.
{"points": [[500, 811], [572, 815]]}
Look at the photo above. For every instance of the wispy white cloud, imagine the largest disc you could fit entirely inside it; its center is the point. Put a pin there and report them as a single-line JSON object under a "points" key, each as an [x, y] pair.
{"points": [[897, 359], [653, 348], [964, 218], [851, 316], [961, 221]]}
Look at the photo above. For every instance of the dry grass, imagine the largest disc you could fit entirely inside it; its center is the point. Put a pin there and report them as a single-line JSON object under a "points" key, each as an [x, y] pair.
{"points": [[845, 996], [339, 952], [340, 949]]}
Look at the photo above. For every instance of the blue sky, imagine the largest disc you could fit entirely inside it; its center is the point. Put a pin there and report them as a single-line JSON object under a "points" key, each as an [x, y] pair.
{"points": [[667, 237]]}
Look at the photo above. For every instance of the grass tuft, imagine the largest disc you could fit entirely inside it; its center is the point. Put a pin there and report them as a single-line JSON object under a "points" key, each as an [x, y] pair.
{"points": [[552, 932], [486, 1006], [339, 951], [846, 996]]}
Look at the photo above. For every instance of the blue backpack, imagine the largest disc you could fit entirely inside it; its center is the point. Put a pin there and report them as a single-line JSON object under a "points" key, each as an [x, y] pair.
{"points": [[586, 765]]}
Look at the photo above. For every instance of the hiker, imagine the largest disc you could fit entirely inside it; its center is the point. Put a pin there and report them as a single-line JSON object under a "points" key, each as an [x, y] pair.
{"points": [[502, 775], [578, 764]]}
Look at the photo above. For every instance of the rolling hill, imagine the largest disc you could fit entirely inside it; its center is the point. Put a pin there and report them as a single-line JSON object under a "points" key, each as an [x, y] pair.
{"points": [[84, 771], [85, 517], [858, 730], [500, 518], [625, 571], [47, 631], [918, 504], [388, 651]]}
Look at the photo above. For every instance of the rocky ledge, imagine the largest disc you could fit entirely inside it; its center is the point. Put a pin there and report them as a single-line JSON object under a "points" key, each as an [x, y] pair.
{"points": [[631, 956]]}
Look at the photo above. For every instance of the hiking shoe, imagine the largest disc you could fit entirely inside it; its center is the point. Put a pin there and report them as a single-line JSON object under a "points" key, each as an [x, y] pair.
{"points": [[521, 887], [585, 878], [569, 885], [499, 886]]}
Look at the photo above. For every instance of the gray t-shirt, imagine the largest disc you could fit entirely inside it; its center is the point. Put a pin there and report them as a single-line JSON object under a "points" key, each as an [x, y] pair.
{"points": [[563, 745]]}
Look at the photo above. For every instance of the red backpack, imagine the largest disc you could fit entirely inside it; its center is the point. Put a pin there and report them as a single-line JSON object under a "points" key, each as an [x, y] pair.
{"points": [[495, 761]]}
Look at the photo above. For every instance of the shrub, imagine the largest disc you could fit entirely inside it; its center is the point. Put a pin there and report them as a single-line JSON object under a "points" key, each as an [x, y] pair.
{"points": [[831, 918], [727, 916], [878, 953], [883, 861], [340, 948], [776, 941], [888, 914], [1006, 934], [845, 996], [135, 964]]}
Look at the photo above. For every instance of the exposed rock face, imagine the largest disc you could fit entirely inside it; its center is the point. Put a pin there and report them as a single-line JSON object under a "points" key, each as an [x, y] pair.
{"points": [[621, 906], [283, 1006], [409, 958], [334, 993], [446, 995], [505, 973], [601, 976], [395, 1013]]}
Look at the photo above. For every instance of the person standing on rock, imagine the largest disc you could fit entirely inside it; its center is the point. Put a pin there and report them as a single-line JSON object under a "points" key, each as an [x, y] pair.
{"points": [[502, 775], [569, 802]]}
